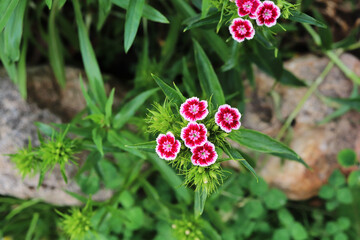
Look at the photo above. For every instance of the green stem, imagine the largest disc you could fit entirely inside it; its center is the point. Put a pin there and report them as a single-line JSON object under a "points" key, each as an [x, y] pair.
{"points": [[348, 73], [309, 92]]}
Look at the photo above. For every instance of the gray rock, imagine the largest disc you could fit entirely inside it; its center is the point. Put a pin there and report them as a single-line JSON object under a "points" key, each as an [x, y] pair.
{"points": [[16, 128]]}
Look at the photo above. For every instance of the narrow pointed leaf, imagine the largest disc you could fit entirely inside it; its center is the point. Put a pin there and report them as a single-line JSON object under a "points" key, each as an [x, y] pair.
{"points": [[262, 143], [6, 9], [304, 18], [199, 202], [208, 79], [132, 22], [129, 109], [91, 65], [149, 12], [169, 92]]}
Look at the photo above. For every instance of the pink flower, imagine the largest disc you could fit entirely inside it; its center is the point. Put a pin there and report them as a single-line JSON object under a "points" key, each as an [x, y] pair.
{"points": [[228, 118], [193, 109], [167, 147], [267, 13], [204, 155], [247, 7], [194, 134], [241, 29]]}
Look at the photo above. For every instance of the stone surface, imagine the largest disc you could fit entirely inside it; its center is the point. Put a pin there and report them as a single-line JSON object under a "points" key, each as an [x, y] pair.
{"points": [[318, 145], [16, 127]]}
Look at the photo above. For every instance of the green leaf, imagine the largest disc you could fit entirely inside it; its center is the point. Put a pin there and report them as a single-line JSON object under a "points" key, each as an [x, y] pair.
{"points": [[262, 143], [21, 73], [148, 145], [298, 232], [89, 59], [281, 234], [109, 174], [304, 18], [148, 12], [169, 92], [104, 10], [274, 199], [90, 104], [32, 226], [208, 79], [13, 32], [285, 217], [344, 196], [354, 179], [326, 192], [236, 156], [117, 139], [199, 202], [97, 138], [340, 236], [254, 209], [287, 78], [6, 10], [331, 228], [196, 22], [343, 223], [337, 179], [351, 102], [49, 3], [108, 105], [90, 183], [189, 83], [132, 22], [259, 187], [55, 49], [129, 109], [170, 177], [347, 157]]}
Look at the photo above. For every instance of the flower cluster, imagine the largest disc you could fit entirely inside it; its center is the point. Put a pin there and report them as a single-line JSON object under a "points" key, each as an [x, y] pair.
{"points": [[195, 135], [193, 138], [265, 13]]}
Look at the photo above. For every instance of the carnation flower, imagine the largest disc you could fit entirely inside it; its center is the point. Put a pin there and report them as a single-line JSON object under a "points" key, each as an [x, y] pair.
{"points": [[247, 7], [167, 147], [204, 155], [193, 109], [228, 118], [241, 29], [267, 13], [194, 134]]}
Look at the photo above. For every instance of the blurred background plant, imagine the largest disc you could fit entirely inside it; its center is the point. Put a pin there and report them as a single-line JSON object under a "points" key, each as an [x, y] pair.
{"points": [[186, 42]]}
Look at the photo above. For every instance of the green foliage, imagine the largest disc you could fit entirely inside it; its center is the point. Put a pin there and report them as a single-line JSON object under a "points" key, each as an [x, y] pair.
{"points": [[57, 150]]}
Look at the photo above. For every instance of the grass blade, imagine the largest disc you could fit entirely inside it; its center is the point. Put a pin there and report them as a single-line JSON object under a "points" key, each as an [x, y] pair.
{"points": [[91, 66], [169, 92], [129, 109], [208, 79], [132, 22], [55, 54]]}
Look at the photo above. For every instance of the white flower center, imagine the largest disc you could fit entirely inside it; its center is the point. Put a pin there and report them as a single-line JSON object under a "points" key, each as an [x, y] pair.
{"points": [[204, 154], [267, 14], [241, 29], [248, 5], [228, 117], [194, 108], [193, 135], [167, 146]]}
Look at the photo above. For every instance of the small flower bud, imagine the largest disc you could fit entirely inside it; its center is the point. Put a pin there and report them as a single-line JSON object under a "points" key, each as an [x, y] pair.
{"points": [[187, 232]]}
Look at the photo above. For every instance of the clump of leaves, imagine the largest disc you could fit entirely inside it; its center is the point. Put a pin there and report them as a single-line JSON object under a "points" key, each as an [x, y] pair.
{"points": [[56, 150]]}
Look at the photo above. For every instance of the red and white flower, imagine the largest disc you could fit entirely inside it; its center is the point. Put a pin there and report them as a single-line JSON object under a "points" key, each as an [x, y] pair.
{"points": [[241, 29], [228, 118], [194, 134], [204, 155], [167, 147], [247, 7], [267, 13], [193, 109]]}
